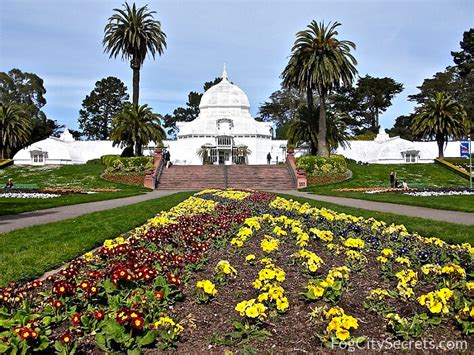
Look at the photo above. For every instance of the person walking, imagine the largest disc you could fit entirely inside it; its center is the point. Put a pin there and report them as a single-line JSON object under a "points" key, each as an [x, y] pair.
{"points": [[269, 158]]}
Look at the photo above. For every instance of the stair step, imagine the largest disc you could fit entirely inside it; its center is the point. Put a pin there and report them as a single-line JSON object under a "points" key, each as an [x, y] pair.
{"points": [[238, 176]]}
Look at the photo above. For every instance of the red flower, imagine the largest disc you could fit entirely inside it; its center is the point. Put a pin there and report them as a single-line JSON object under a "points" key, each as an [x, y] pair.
{"points": [[76, 319], [138, 322], [25, 333], [159, 295], [99, 314], [66, 337]]}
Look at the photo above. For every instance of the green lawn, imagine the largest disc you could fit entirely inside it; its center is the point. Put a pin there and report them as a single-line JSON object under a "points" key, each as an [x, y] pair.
{"points": [[30, 252], [449, 232], [417, 175], [85, 176]]}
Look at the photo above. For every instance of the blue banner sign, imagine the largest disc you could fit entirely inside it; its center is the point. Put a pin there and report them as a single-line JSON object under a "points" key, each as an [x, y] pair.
{"points": [[464, 149]]}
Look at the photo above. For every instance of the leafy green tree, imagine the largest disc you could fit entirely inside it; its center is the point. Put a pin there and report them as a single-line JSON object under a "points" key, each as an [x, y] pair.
{"points": [[280, 109], [132, 33], [440, 118], [321, 62], [446, 81], [135, 127], [188, 113], [15, 127], [27, 90], [101, 106], [374, 96], [464, 59], [402, 127]]}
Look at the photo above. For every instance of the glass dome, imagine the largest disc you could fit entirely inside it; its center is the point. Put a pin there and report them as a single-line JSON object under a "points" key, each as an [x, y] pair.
{"points": [[224, 94]]}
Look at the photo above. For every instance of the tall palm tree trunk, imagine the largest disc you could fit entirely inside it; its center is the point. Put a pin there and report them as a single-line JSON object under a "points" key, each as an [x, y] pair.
{"points": [[322, 132], [309, 98], [135, 65], [440, 142]]}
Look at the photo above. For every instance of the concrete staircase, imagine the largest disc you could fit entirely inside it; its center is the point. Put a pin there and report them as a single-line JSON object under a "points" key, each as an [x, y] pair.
{"points": [[192, 177], [259, 177]]}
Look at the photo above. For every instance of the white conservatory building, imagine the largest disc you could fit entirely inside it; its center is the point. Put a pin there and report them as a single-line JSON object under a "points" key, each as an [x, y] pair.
{"points": [[64, 150], [224, 128], [395, 150]]}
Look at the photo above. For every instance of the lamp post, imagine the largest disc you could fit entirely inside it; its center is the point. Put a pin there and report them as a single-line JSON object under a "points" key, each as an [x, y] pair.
{"points": [[470, 162]]}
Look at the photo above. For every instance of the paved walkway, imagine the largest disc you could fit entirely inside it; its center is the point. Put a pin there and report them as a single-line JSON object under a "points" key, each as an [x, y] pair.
{"points": [[27, 219], [404, 210]]}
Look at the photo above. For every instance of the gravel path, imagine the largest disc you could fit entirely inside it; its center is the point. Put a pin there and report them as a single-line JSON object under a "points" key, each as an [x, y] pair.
{"points": [[27, 219], [404, 210]]}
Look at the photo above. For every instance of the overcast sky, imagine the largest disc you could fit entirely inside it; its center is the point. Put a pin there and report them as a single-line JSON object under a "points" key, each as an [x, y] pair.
{"points": [[61, 41]]}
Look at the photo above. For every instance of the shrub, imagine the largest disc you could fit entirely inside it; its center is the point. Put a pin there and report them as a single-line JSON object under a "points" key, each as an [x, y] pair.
{"points": [[130, 165], [94, 162], [320, 166], [107, 160], [5, 163]]}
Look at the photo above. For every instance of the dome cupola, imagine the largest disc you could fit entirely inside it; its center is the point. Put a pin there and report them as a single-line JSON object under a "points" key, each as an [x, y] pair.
{"points": [[224, 95]]}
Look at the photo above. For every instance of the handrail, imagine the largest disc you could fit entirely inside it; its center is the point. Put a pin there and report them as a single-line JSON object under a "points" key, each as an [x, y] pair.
{"points": [[291, 171], [225, 176], [158, 172]]}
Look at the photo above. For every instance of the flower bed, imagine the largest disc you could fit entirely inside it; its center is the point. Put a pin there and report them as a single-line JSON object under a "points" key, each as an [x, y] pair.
{"points": [[32, 195], [424, 192], [441, 192], [135, 179], [242, 269]]}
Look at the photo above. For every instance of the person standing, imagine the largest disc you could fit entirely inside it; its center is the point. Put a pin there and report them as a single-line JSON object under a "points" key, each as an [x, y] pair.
{"points": [[9, 185], [269, 158], [392, 179]]}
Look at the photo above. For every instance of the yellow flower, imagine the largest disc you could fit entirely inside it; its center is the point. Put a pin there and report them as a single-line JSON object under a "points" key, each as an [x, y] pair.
{"points": [[342, 334], [334, 311], [349, 322], [250, 257], [354, 243], [282, 304], [251, 312], [241, 307], [387, 252]]}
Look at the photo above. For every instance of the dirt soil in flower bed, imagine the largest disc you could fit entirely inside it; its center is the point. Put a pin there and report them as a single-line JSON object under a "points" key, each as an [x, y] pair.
{"points": [[324, 180], [292, 332], [129, 179]]}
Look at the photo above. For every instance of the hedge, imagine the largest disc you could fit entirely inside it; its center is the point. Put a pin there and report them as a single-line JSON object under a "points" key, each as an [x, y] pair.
{"points": [[320, 166], [5, 163], [129, 165], [107, 160], [450, 165]]}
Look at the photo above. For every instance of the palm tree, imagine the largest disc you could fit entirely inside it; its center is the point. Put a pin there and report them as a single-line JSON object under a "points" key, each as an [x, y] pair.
{"points": [[321, 62], [303, 128], [203, 154], [136, 126], [133, 33], [440, 118], [15, 128]]}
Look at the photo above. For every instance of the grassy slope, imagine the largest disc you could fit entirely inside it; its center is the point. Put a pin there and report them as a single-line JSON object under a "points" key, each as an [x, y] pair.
{"points": [[68, 176], [449, 232], [417, 175], [28, 253]]}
